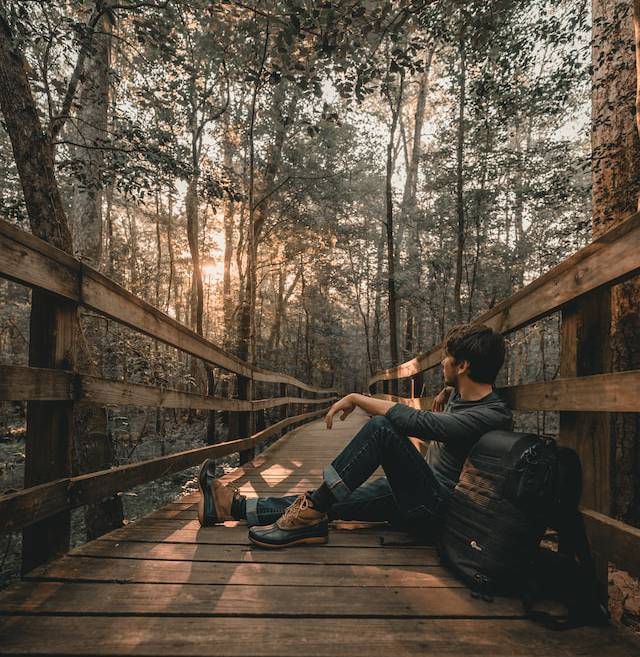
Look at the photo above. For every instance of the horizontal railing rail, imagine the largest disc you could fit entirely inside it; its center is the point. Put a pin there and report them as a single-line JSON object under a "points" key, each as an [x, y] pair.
{"points": [[18, 383], [615, 392]]}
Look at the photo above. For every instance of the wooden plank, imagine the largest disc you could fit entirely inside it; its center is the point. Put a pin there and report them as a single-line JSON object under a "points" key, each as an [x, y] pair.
{"points": [[610, 259], [108, 298], [31, 261], [119, 393], [599, 392], [35, 383], [244, 600], [25, 507], [194, 525], [615, 539], [620, 540], [89, 569], [96, 486], [320, 637], [18, 383], [236, 534], [194, 552]]}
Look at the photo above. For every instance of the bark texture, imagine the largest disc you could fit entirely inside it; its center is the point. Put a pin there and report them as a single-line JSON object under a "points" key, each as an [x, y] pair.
{"points": [[90, 135], [616, 187]]}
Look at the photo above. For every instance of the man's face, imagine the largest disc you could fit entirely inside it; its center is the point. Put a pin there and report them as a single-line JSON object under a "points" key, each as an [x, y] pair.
{"points": [[449, 369]]}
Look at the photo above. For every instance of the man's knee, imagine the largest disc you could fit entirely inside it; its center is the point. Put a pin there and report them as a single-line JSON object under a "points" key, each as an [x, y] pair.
{"points": [[382, 423]]}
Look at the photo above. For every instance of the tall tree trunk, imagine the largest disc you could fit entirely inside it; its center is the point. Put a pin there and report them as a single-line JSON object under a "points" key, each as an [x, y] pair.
{"points": [[616, 187], [394, 106], [31, 145], [172, 282], [377, 305], [460, 234], [90, 133], [229, 144], [110, 264], [260, 189], [409, 207], [193, 235], [158, 250]]}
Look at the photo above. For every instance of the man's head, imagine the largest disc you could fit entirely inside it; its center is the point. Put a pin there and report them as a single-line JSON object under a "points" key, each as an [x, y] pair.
{"points": [[472, 350]]}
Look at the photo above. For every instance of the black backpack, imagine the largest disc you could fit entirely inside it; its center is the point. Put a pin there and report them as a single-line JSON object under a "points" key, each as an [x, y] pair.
{"points": [[513, 487]]}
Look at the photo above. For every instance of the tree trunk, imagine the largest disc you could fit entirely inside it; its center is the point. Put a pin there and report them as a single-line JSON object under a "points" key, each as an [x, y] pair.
{"points": [[377, 305], [409, 207], [392, 300], [193, 233], [90, 133], [32, 148], [172, 260], [460, 176], [259, 204], [229, 145], [616, 187]]}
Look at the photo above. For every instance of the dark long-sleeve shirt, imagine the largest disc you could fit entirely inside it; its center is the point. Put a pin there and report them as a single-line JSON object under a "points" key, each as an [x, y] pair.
{"points": [[453, 432]]}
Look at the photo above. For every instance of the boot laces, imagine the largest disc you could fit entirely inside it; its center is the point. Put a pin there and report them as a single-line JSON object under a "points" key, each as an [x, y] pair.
{"points": [[292, 513]]}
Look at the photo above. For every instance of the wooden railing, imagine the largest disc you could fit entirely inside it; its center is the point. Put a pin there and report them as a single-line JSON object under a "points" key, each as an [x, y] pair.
{"points": [[61, 284], [575, 287]]}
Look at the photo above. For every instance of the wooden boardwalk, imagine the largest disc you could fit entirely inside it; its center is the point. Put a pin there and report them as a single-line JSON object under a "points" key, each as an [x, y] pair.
{"points": [[164, 586]]}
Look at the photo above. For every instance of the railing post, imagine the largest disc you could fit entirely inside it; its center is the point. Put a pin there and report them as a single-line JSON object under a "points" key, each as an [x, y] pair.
{"points": [[417, 383], [49, 437], [584, 348], [284, 409], [245, 418], [211, 415]]}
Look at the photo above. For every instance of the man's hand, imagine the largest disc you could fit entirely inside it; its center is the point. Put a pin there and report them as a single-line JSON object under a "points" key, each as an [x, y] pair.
{"points": [[346, 405], [440, 400]]}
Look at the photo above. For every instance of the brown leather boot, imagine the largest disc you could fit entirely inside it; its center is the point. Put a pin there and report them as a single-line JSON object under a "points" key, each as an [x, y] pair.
{"points": [[216, 499]]}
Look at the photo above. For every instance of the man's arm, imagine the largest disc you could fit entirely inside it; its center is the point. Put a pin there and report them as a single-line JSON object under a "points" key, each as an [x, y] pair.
{"points": [[369, 405], [451, 428]]}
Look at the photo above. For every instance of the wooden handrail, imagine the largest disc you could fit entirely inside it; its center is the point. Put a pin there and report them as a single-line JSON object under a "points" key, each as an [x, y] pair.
{"points": [[35, 263], [615, 392], [21, 509], [18, 383], [608, 260]]}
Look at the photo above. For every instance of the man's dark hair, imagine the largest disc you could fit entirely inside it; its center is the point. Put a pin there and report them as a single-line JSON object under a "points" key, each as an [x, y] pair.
{"points": [[481, 346]]}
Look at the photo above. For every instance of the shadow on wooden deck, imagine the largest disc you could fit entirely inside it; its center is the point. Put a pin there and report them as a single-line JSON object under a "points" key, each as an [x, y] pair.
{"points": [[165, 586]]}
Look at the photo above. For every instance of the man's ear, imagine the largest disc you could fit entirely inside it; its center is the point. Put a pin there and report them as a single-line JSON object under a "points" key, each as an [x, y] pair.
{"points": [[464, 366]]}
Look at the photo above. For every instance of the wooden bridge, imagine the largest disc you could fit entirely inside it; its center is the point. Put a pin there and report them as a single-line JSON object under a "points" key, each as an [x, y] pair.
{"points": [[165, 586]]}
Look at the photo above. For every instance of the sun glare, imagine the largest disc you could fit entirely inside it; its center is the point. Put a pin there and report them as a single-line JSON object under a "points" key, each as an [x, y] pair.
{"points": [[213, 271]]}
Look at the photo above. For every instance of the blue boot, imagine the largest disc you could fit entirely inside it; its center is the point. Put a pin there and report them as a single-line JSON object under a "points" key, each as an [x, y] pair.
{"points": [[299, 524]]}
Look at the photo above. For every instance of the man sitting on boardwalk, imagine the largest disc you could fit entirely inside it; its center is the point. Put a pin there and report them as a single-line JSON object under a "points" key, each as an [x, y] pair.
{"points": [[415, 489]]}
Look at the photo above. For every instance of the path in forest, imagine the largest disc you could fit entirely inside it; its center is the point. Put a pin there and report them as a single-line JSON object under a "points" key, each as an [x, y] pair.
{"points": [[165, 586]]}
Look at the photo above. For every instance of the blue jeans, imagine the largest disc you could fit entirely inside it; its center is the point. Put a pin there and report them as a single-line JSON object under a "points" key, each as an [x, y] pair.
{"points": [[410, 495]]}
